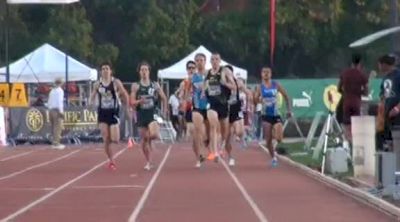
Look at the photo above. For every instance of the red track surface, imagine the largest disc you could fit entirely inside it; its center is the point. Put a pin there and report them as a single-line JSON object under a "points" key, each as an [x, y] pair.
{"points": [[78, 188]]}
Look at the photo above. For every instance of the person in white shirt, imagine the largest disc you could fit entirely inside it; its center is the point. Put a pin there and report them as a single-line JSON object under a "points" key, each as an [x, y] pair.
{"points": [[56, 107], [174, 107]]}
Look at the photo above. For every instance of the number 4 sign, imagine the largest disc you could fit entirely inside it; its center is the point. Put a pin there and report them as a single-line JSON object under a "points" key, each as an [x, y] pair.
{"points": [[18, 96], [4, 94]]}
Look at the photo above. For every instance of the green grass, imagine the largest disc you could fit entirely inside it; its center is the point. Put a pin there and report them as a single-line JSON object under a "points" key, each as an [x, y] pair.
{"points": [[293, 148]]}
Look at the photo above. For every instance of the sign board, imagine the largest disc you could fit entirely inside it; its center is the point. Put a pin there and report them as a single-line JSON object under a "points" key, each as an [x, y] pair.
{"points": [[18, 98], [33, 123], [4, 94]]}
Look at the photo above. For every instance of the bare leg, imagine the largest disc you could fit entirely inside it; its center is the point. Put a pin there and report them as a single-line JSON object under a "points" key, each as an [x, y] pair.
{"points": [[105, 132], [144, 134], [212, 117], [198, 135]]}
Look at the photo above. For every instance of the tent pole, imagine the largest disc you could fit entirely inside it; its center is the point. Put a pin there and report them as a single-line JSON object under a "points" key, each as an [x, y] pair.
{"points": [[7, 36], [66, 79]]}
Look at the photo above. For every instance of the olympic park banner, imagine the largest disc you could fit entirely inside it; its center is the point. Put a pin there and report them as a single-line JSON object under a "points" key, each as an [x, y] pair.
{"points": [[309, 96], [33, 124]]}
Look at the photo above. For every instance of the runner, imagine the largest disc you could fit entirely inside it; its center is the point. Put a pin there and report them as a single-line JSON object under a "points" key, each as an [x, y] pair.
{"points": [[236, 126], [267, 94], [109, 90], [246, 102], [186, 97], [218, 86], [199, 111], [143, 97]]}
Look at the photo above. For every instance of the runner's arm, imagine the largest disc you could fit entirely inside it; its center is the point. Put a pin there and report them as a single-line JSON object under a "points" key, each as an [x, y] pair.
{"points": [[134, 88], [286, 97], [163, 98], [227, 79], [122, 92], [94, 93], [256, 97], [182, 91], [249, 94]]}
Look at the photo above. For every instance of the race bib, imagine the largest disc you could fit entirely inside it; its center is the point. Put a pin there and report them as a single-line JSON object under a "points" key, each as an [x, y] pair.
{"points": [[148, 102], [269, 102], [214, 90]]}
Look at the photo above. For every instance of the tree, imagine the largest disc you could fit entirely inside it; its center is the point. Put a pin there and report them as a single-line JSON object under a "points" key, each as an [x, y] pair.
{"points": [[68, 28]]}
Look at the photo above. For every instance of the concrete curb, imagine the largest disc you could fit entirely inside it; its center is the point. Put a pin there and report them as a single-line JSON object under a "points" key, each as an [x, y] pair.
{"points": [[357, 194]]}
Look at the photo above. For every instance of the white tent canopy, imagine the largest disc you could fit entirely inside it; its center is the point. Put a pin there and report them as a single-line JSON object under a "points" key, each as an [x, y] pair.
{"points": [[178, 70], [45, 64]]}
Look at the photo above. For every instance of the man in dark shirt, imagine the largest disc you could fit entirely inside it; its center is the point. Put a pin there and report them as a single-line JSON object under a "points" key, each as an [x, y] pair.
{"points": [[390, 90], [352, 84]]}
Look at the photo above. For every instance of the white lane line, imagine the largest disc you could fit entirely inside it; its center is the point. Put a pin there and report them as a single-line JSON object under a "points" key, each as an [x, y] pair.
{"points": [[16, 156], [74, 187], [58, 189], [108, 187], [25, 189], [246, 195], [147, 191], [38, 165]]}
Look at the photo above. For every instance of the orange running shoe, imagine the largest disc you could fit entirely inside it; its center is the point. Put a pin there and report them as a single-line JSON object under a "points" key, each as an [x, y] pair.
{"points": [[211, 156]]}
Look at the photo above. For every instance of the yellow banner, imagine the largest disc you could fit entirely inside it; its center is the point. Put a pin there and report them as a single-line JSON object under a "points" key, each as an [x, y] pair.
{"points": [[18, 98]]}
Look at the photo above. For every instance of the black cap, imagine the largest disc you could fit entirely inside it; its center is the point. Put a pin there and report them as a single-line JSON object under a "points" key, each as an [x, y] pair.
{"points": [[388, 59]]}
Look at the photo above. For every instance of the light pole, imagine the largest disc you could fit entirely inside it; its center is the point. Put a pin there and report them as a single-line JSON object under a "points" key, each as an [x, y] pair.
{"points": [[394, 21], [7, 31], [7, 36]]}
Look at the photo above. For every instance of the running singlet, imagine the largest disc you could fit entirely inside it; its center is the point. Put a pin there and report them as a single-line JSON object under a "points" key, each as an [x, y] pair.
{"points": [[199, 101], [108, 99], [217, 93], [269, 99], [148, 93]]}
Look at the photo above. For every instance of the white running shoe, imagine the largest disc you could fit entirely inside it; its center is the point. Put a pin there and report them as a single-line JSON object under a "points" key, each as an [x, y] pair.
{"points": [[231, 162], [148, 166], [58, 146], [274, 162], [198, 164]]}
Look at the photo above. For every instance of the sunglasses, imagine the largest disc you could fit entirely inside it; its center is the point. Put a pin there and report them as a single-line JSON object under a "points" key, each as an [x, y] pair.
{"points": [[191, 67]]}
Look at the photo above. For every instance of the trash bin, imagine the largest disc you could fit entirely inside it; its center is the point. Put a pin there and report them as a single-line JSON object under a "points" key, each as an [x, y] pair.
{"points": [[363, 137], [396, 144]]}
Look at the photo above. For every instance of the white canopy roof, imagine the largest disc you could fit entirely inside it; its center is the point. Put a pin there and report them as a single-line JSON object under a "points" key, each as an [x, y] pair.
{"points": [[178, 70], [45, 64]]}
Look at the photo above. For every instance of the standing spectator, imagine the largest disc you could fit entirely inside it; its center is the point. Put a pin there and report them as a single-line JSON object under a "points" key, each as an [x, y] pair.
{"points": [[352, 84], [174, 107], [390, 95], [56, 107]]}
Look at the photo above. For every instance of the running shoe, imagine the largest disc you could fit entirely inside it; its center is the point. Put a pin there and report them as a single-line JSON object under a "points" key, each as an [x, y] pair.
{"points": [[111, 166], [198, 164], [211, 156], [231, 162], [148, 166], [274, 162]]}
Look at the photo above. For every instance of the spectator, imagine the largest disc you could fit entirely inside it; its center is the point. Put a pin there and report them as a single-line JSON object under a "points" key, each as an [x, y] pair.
{"points": [[174, 107], [56, 107], [390, 95], [352, 84]]}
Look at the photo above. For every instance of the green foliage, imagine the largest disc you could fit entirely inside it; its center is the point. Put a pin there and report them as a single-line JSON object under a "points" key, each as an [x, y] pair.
{"points": [[312, 35]]}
